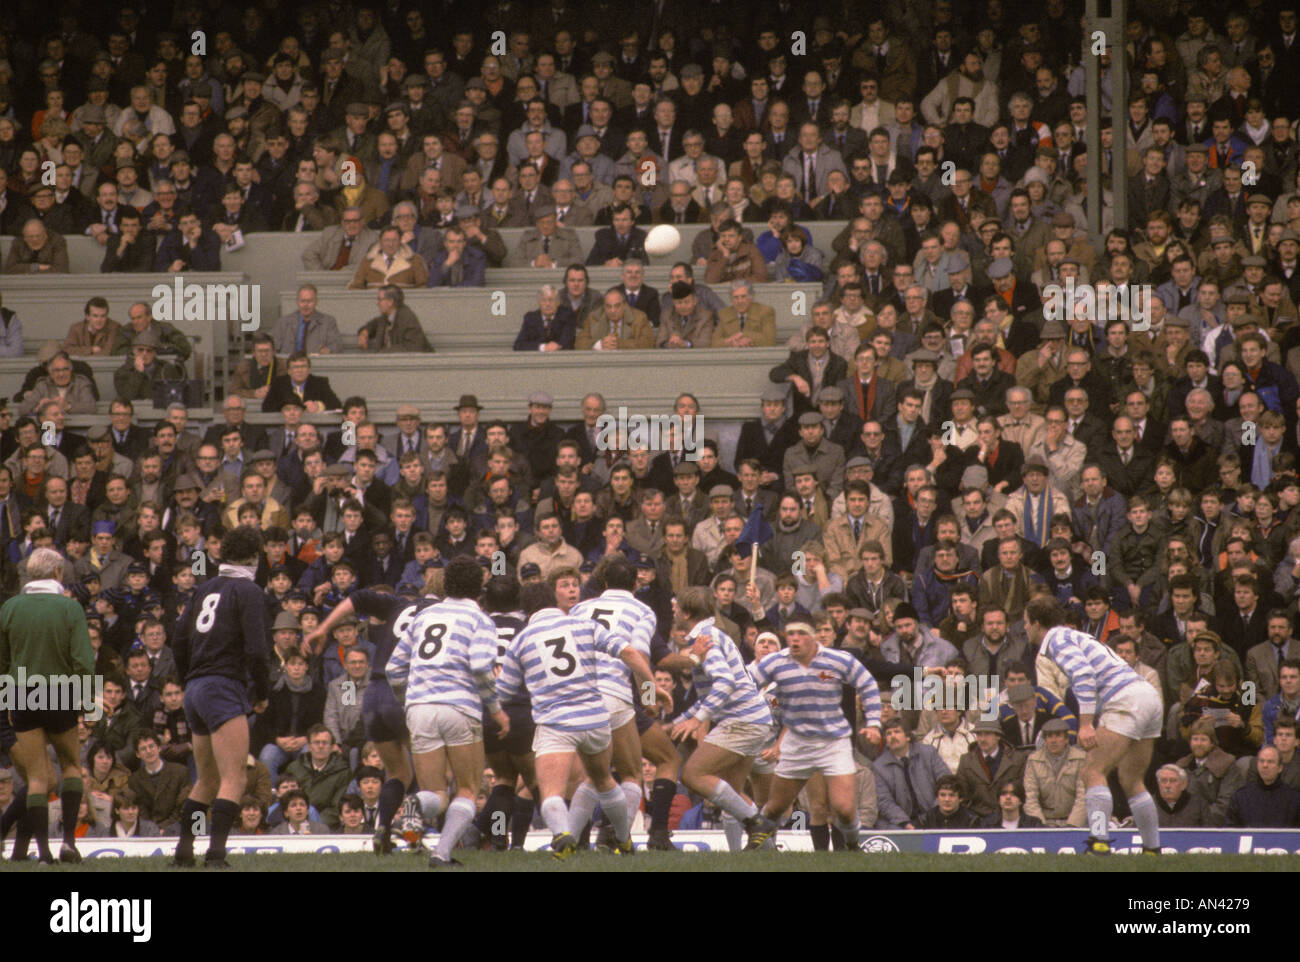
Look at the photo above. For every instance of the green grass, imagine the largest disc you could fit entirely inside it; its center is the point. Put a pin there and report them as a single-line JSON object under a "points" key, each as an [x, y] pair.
{"points": [[697, 862]]}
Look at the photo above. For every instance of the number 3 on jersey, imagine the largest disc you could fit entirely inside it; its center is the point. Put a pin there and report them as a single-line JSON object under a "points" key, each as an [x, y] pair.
{"points": [[207, 614], [431, 648], [556, 660]]}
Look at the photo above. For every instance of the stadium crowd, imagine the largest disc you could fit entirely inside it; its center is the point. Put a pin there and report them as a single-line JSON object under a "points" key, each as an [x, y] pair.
{"points": [[933, 454]]}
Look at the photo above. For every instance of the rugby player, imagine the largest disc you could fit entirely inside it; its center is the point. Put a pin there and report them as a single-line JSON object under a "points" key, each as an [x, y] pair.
{"points": [[554, 660], [1120, 718], [381, 713], [221, 649], [633, 621], [510, 756], [809, 680], [442, 669], [44, 633], [760, 776], [729, 721]]}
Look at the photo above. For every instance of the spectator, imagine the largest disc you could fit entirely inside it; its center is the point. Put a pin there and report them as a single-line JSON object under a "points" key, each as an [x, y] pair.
{"points": [[133, 250], [1054, 781], [745, 323], [688, 323], [189, 246], [396, 328], [732, 258], [135, 379], [74, 391], [307, 329], [39, 250], [312, 390], [97, 333], [615, 326], [391, 263], [458, 264], [907, 779], [552, 327], [1267, 802], [160, 786], [546, 244], [342, 246], [1177, 807]]}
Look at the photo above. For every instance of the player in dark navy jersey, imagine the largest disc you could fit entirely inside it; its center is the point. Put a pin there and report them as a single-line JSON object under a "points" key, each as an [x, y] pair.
{"points": [[381, 713], [511, 757], [221, 652]]}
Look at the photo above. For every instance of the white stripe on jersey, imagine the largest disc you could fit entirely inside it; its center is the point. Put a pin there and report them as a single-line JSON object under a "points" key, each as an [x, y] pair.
{"points": [[724, 688], [553, 660], [629, 619], [768, 691], [1095, 671], [445, 657], [811, 698]]}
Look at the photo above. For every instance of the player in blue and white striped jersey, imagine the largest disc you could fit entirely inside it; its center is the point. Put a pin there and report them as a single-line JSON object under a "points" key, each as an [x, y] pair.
{"points": [[634, 622], [730, 720], [1120, 718], [442, 669], [809, 680], [554, 660], [510, 756]]}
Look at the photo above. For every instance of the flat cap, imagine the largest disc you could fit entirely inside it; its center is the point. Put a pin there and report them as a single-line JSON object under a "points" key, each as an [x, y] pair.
{"points": [[958, 261], [261, 454], [686, 467], [830, 393], [720, 491], [1254, 260], [1000, 267], [234, 113], [1054, 725], [602, 56], [98, 433], [1196, 148], [414, 80], [475, 83], [1236, 296], [357, 109], [543, 210], [962, 394], [286, 621], [926, 356], [862, 613], [541, 398], [1020, 693], [809, 419], [691, 70], [188, 481], [989, 725], [467, 211], [858, 461], [396, 107], [147, 338], [1289, 235], [586, 130], [1259, 199], [254, 76], [93, 114], [1052, 331], [773, 392], [1038, 466]]}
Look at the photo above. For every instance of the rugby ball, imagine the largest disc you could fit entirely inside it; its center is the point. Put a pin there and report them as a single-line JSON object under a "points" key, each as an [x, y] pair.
{"points": [[662, 240]]}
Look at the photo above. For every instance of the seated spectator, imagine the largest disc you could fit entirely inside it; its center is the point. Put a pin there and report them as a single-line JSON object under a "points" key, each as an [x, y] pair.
{"points": [[798, 262], [38, 250], [618, 242], [734, 259], [949, 811], [615, 326], [133, 250], [189, 247], [1010, 813], [306, 329], [312, 390], [97, 333], [296, 704], [745, 323], [126, 820], [135, 379], [161, 787], [75, 391], [688, 323], [395, 328], [253, 375], [391, 263], [1054, 783], [341, 246], [546, 244], [552, 327], [308, 213], [1265, 802], [232, 218], [458, 264], [1176, 807]]}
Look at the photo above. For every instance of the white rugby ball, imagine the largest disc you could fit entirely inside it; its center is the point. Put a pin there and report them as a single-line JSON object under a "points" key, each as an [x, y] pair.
{"points": [[662, 240]]}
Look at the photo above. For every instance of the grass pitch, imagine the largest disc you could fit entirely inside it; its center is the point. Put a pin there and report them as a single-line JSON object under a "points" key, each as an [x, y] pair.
{"points": [[646, 861]]}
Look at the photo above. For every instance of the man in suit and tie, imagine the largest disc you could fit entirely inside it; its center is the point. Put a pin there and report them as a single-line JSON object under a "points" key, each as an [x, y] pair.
{"points": [[546, 244], [62, 517], [312, 389], [407, 436], [681, 207], [129, 440], [841, 134], [470, 439], [615, 245], [810, 370], [342, 246], [1264, 660], [307, 329], [1243, 625], [811, 163], [1024, 722], [552, 327]]}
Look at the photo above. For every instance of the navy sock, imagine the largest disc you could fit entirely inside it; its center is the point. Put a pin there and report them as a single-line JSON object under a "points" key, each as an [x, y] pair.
{"points": [[521, 820], [390, 800], [662, 794], [492, 825], [224, 813], [837, 840], [185, 845], [821, 837]]}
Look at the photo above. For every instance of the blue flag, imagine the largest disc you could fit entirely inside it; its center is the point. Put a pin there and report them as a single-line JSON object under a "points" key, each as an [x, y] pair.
{"points": [[756, 531]]}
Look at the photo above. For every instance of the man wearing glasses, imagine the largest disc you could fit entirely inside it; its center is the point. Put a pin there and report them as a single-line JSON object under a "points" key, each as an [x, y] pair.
{"points": [[342, 246], [307, 329]]}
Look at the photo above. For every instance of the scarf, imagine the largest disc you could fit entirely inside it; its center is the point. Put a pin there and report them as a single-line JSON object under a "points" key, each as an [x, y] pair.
{"points": [[227, 570], [1261, 470], [1038, 524]]}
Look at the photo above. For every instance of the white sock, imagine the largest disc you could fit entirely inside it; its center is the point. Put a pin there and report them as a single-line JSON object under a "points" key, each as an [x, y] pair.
{"points": [[849, 830], [1100, 804], [1146, 816], [732, 802], [431, 805], [555, 814], [459, 814], [632, 794], [614, 804], [584, 803], [734, 832]]}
